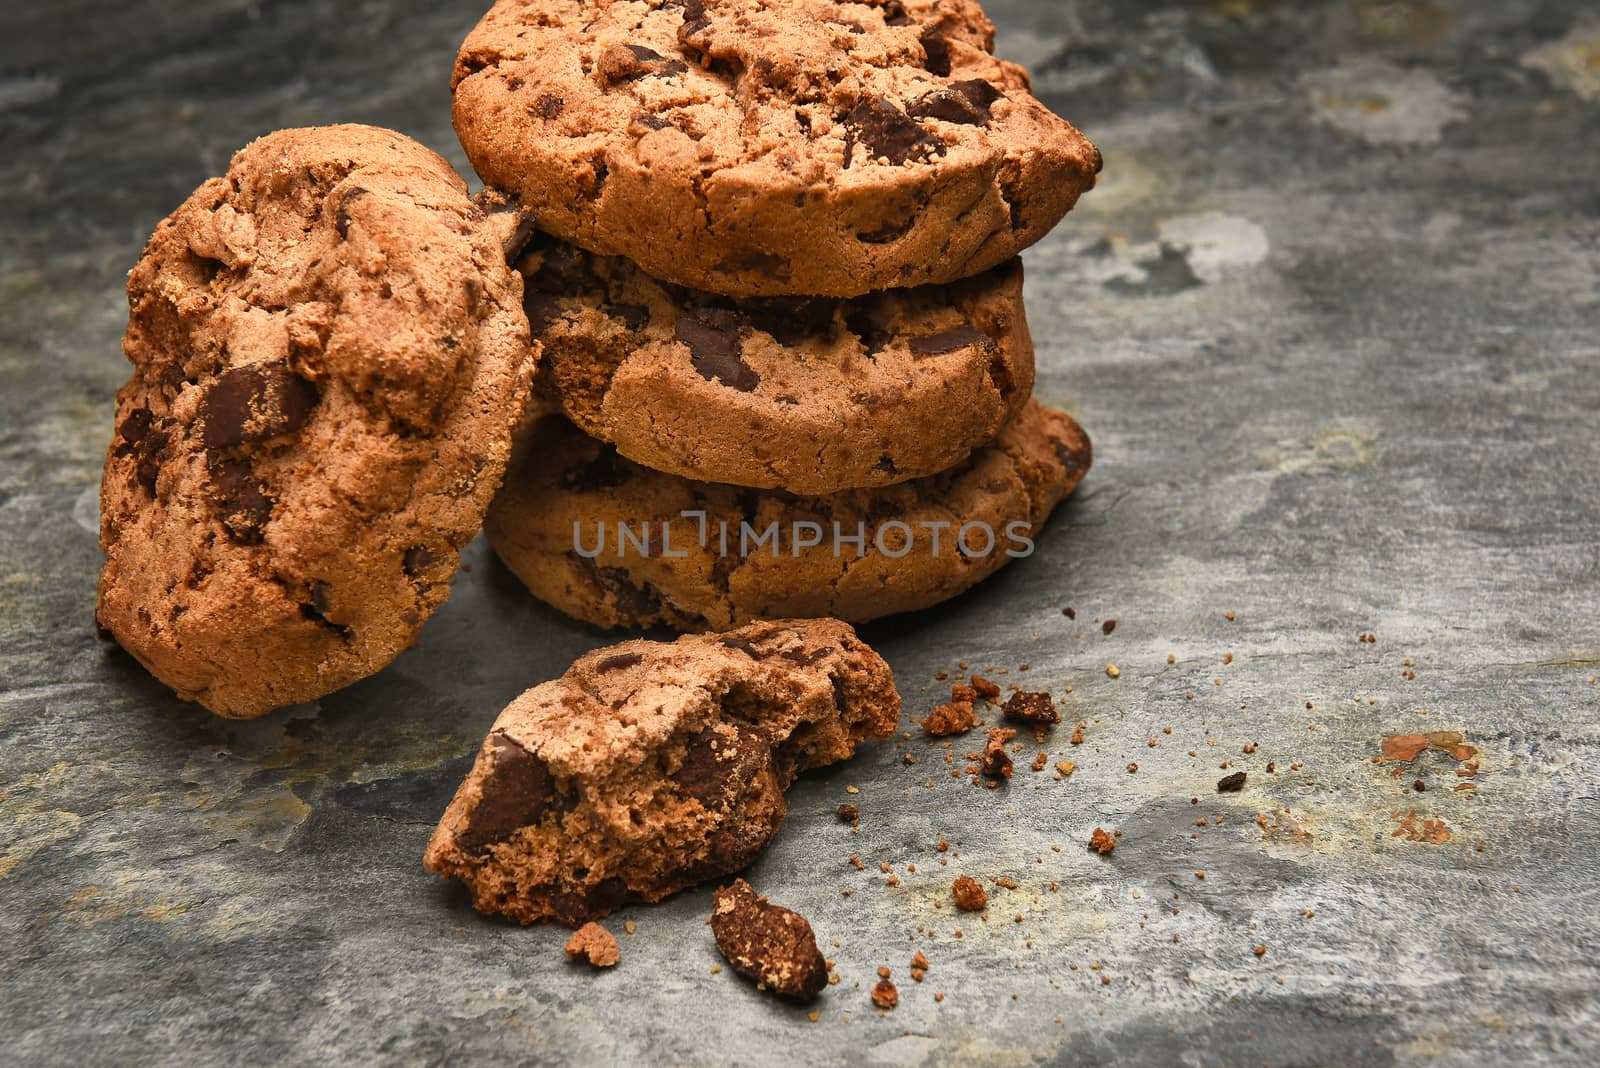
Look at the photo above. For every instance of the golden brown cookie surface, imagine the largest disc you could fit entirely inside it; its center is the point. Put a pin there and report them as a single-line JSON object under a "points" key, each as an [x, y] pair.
{"points": [[329, 357], [749, 148]]}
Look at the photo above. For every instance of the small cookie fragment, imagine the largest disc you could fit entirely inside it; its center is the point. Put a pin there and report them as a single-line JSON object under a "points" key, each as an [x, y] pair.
{"points": [[1102, 842], [996, 761], [919, 966], [1231, 784], [849, 813], [770, 944], [957, 717], [1025, 707], [969, 894], [885, 995], [986, 689], [595, 944]]}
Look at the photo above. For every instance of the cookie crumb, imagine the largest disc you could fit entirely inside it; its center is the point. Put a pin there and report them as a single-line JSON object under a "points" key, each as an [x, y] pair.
{"points": [[919, 966], [884, 995], [1067, 767], [954, 718], [849, 813], [969, 894], [1231, 784], [595, 944], [1070, 612], [1261, 951], [1108, 626], [771, 945], [1113, 671], [986, 689], [1101, 842]]}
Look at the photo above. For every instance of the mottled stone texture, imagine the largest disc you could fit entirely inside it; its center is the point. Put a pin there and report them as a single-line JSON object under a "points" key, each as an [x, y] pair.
{"points": [[1332, 320]]}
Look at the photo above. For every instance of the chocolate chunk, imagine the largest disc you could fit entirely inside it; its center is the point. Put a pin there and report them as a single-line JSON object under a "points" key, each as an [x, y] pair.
{"points": [[966, 103], [633, 316], [655, 63], [574, 905], [341, 218], [253, 403], [937, 50], [651, 122], [694, 20], [640, 601], [894, 14], [518, 792], [132, 431], [714, 352], [718, 765], [889, 133], [152, 453], [1030, 708], [244, 505], [951, 340], [417, 560], [619, 661], [628, 63], [549, 106], [803, 658], [744, 645], [769, 944], [1231, 784]]}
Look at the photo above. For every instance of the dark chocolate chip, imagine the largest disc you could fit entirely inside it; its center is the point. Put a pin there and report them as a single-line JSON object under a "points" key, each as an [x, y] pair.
{"points": [[244, 505], [886, 465], [937, 50], [694, 19], [894, 14], [1030, 708], [889, 133], [637, 602], [341, 218], [152, 453], [718, 765], [517, 792], [574, 906], [517, 241], [253, 403], [549, 106], [714, 352], [618, 661], [132, 431], [417, 560], [1231, 784], [651, 122], [951, 340], [744, 645], [802, 658], [967, 103]]}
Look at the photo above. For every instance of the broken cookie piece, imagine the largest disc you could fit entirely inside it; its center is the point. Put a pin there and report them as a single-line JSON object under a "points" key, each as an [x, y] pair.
{"points": [[996, 761], [650, 767], [969, 894], [771, 945], [595, 944]]}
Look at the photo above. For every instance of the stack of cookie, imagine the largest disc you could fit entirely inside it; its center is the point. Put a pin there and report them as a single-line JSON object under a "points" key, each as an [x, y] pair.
{"points": [[757, 259], [786, 368]]}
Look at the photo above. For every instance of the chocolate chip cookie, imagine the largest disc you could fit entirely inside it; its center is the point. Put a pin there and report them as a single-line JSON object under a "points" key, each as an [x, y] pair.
{"points": [[810, 395], [747, 148], [619, 545], [652, 766], [330, 355]]}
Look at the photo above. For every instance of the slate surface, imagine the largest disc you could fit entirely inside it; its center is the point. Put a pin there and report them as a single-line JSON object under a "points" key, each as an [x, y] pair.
{"points": [[1332, 322]]}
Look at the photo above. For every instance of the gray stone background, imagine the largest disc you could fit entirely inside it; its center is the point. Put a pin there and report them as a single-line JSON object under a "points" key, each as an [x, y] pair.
{"points": [[1331, 320]]}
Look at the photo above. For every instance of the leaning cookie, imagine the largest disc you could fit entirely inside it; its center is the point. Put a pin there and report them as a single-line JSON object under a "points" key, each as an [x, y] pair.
{"points": [[755, 149], [330, 355], [616, 544], [808, 395], [652, 766]]}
